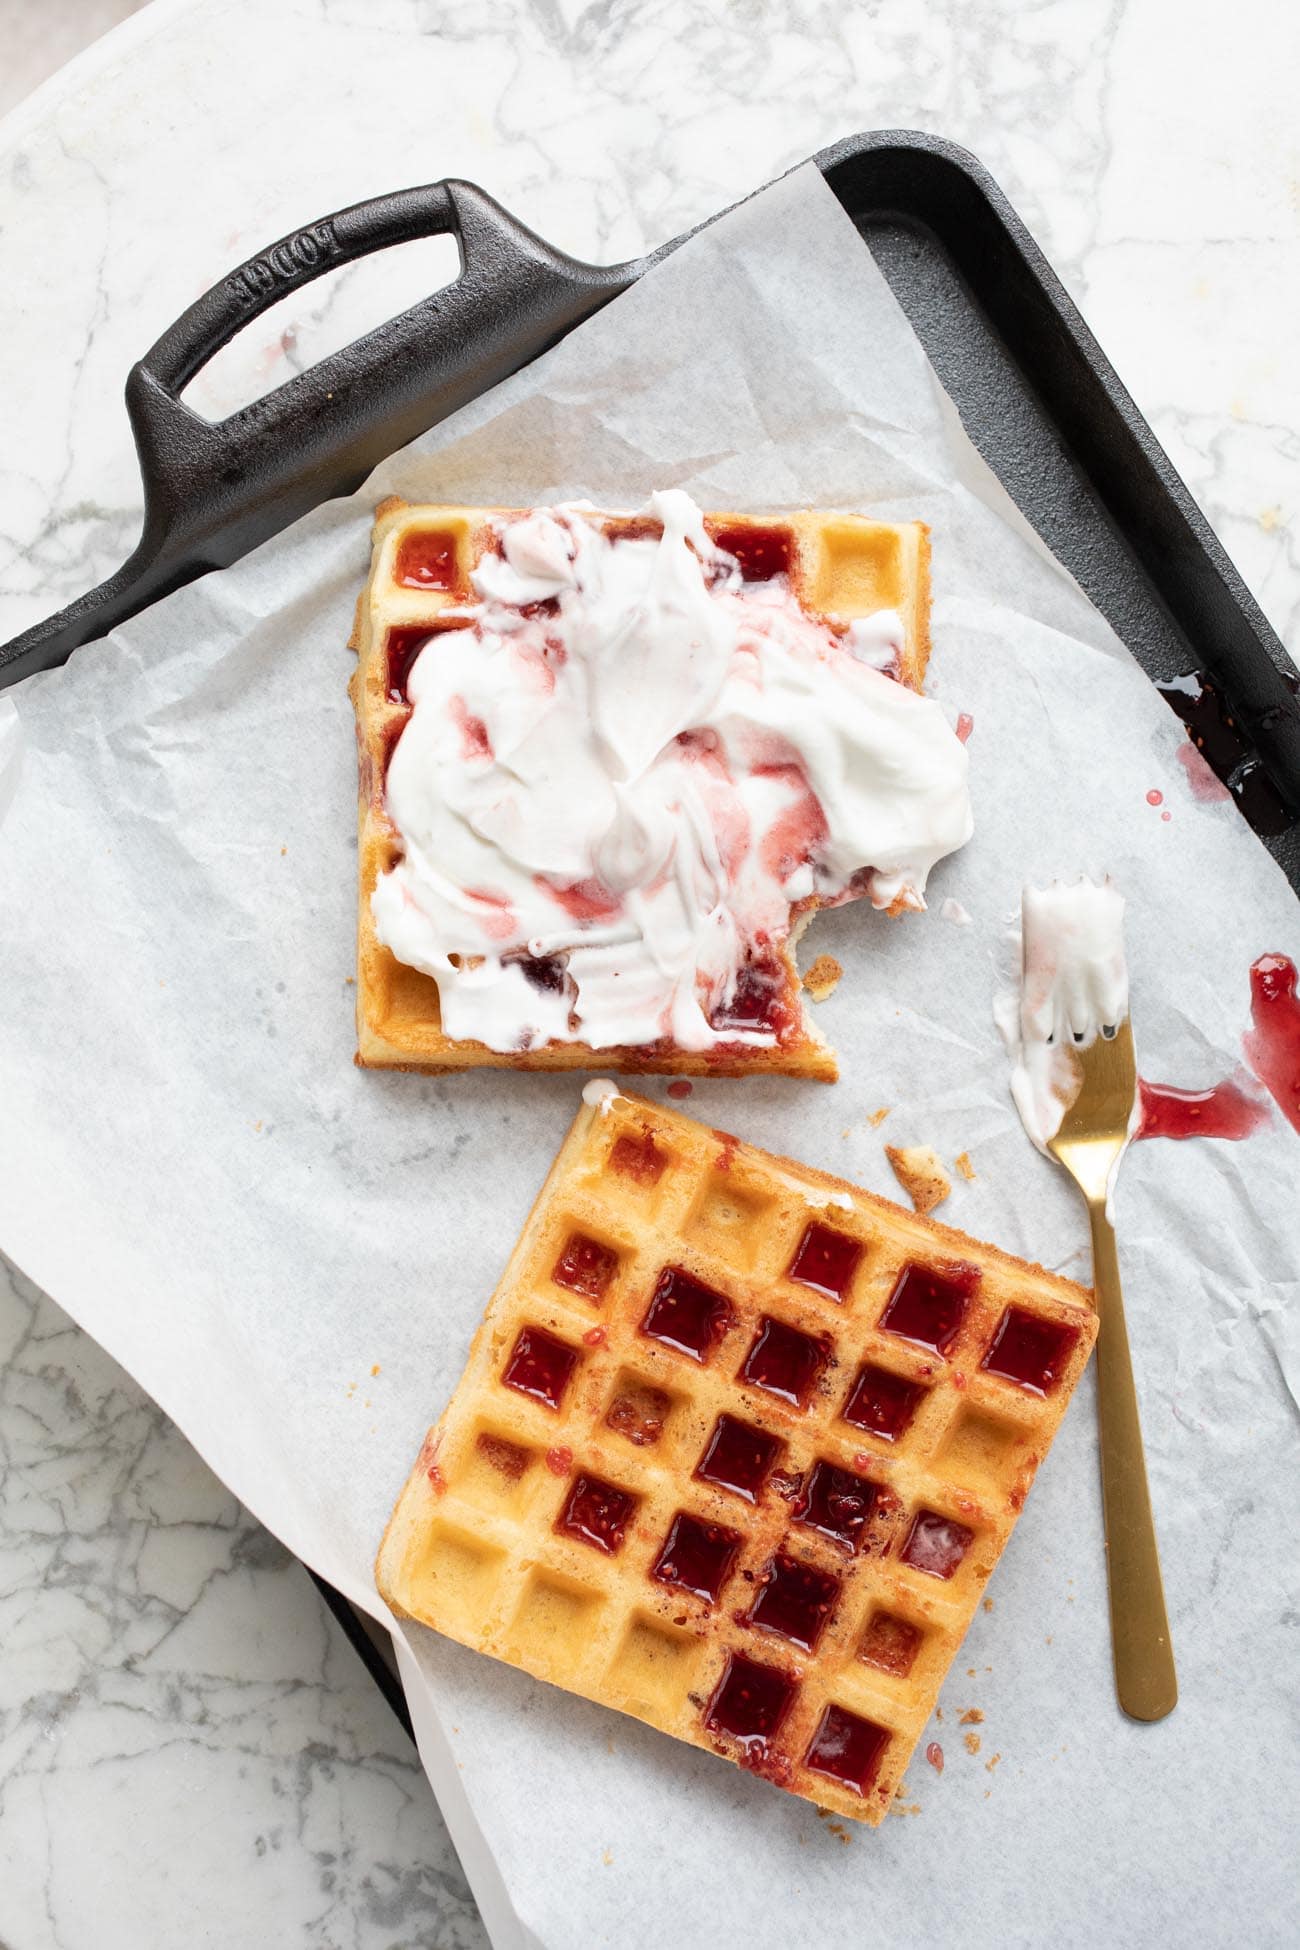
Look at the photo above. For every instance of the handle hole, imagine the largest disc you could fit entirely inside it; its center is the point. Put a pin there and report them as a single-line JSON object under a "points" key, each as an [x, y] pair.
{"points": [[320, 318]]}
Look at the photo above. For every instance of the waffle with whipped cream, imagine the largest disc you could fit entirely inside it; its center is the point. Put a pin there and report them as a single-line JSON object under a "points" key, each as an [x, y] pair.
{"points": [[736, 1450], [596, 813]]}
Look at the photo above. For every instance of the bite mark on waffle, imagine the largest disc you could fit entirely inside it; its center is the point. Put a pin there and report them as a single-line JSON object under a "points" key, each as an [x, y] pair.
{"points": [[758, 1507]]}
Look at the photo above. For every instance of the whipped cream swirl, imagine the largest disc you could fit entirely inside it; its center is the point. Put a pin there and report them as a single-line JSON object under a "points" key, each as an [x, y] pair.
{"points": [[624, 771]]}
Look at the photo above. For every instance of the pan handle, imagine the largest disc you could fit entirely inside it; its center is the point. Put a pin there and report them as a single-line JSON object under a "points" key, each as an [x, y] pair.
{"points": [[304, 255], [215, 490], [465, 330]]}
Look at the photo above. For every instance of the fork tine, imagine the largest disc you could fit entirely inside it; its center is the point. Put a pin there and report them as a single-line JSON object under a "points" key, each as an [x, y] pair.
{"points": [[1107, 1082]]}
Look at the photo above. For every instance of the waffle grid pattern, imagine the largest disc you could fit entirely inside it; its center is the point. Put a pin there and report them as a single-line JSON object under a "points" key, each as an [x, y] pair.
{"points": [[839, 565], [534, 1532]]}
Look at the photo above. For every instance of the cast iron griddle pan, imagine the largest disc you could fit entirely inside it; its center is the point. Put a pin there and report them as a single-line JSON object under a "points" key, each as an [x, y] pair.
{"points": [[1034, 389], [1036, 393]]}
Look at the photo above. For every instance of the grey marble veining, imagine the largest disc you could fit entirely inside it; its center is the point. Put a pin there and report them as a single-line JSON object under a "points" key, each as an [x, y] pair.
{"points": [[186, 1738], [1163, 186], [189, 1751]]}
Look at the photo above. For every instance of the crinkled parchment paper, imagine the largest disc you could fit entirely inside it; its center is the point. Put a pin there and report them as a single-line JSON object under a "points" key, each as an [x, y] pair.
{"points": [[291, 1254]]}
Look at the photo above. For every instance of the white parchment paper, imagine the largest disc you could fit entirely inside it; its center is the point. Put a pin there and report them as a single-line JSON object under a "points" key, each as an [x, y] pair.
{"points": [[291, 1254]]}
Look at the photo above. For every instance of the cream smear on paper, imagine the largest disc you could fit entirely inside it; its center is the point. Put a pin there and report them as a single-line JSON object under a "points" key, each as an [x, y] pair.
{"points": [[1074, 985], [628, 767]]}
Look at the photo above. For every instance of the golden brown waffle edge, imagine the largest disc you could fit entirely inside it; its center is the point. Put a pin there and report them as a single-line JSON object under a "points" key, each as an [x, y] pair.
{"points": [[841, 564], [828, 1570]]}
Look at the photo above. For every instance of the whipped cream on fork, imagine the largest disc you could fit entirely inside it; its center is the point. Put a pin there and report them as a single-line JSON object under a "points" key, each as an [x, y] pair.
{"points": [[624, 772], [1074, 988]]}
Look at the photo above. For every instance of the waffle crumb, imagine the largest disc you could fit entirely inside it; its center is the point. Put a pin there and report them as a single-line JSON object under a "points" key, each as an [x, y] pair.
{"points": [[972, 1717], [919, 1172], [992, 1763], [823, 978], [988, 1604], [607, 1856], [964, 1166], [375, 1369], [878, 1117], [972, 1743]]}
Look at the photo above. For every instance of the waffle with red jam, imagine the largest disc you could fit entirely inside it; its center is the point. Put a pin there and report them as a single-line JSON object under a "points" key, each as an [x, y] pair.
{"points": [[736, 1450], [840, 566]]}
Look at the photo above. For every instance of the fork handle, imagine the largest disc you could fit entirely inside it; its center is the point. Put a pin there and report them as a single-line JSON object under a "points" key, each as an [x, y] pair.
{"points": [[1145, 1679]]}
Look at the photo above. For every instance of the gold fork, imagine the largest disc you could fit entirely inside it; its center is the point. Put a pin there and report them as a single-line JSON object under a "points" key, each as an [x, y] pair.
{"points": [[1090, 1139]]}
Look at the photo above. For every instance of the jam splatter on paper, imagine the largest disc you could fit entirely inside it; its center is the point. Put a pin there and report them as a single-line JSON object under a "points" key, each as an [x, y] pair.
{"points": [[1224, 1110], [1272, 1045]]}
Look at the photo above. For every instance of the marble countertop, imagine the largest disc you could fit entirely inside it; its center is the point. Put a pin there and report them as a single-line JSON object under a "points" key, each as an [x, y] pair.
{"points": [[188, 1747]]}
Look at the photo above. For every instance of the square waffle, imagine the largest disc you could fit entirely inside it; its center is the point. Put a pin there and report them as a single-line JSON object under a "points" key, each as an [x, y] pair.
{"points": [[735, 1451], [840, 566]]}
